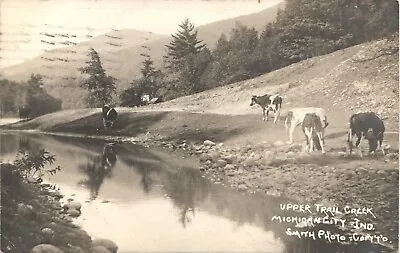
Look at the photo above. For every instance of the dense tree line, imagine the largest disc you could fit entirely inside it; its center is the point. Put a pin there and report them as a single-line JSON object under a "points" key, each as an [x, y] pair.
{"points": [[303, 29], [31, 93]]}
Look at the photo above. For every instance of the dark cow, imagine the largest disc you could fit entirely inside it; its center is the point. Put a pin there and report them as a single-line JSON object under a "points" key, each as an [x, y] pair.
{"points": [[369, 125], [268, 103], [109, 116], [312, 126], [24, 112]]}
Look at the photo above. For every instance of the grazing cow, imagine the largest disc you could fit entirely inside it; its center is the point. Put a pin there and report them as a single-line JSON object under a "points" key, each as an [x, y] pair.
{"points": [[109, 116], [312, 126], [296, 117], [369, 125], [268, 103], [24, 112]]}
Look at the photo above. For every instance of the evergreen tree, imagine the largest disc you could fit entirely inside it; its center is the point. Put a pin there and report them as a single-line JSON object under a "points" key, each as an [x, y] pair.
{"points": [[101, 87], [183, 59]]}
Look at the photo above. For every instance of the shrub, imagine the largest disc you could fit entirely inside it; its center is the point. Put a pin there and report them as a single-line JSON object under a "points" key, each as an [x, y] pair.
{"points": [[31, 162]]}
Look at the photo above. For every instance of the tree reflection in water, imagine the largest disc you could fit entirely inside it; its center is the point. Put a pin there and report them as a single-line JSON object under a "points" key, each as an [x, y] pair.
{"points": [[97, 168], [186, 187]]}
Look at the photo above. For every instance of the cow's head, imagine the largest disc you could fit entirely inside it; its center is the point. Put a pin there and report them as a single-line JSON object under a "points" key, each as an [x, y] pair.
{"points": [[253, 100]]}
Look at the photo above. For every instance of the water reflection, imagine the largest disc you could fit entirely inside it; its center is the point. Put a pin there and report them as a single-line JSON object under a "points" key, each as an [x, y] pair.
{"points": [[160, 203], [97, 168]]}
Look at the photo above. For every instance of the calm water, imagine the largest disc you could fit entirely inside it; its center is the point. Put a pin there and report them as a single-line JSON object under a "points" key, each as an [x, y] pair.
{"points": [[156, 201]]}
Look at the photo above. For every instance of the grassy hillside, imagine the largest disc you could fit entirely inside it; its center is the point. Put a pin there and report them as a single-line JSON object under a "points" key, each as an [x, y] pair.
{"points": [[363, 77], [120, 53], [358, 78]]}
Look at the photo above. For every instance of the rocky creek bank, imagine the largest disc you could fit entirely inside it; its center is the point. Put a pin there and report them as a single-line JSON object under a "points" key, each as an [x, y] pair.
{"points": [[34, 221], [334, 179]]}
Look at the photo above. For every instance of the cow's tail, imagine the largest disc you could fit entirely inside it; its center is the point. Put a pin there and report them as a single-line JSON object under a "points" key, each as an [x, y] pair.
{"points": [[326, 122], [288, 119]]}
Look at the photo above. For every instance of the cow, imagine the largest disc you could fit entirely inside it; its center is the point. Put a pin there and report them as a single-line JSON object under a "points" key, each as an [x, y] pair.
{"points": [[24, 112], [109, 116], [296, 116], [312, 126], [268, 103], [369, 125]]}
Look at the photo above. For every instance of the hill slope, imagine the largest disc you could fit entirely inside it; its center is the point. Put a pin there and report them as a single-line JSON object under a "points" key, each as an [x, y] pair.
{"points": [[363, 77], [359, 78], [120, 53]]}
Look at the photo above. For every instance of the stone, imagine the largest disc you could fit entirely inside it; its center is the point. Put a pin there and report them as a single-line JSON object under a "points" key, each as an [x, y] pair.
{"points": [[230, 158], [204, 157], [214, 156], [106, 243], [72, 205], [242, 187], [209, 143], [46, 248], [250, 162], [268, 153], [279, 143], [48, 231], [73, 212], [229, 167], [221, 163]]}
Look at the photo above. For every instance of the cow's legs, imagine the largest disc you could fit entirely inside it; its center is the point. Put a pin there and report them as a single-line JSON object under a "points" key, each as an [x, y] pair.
{"points": [[321, 142], [263, 113], [380, 140], [358, 142], [291, 130], [104, 123], [310, 142], [277, 114], [266, 118]]}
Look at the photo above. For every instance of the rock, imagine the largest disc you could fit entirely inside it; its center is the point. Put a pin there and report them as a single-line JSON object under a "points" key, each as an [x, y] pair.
{"points": [[250, 162], [221, 163], [46, 248], [268, 153], [24, 209], [106, 243], [204, 157], [73, 212], [278, 143], [214, 156], [229, 167], [242, 187], [73, 205], [99, 249], [209, 143], [48, 231], [230, 158], [56, 206]]}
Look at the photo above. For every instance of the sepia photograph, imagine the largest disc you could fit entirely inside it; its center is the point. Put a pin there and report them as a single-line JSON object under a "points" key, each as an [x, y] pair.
{"points": [[257, 126]]}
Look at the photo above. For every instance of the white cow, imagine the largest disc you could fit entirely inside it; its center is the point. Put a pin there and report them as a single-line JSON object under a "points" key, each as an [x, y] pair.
{"points": [[296, 116]]}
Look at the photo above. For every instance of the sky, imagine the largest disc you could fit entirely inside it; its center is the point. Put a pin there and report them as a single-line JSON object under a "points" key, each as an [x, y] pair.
{"points": [[24, 22]]}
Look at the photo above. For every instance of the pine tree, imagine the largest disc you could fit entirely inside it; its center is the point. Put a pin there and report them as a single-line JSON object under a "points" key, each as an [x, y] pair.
{"points": [[101, 87], [182, 59], [183, 44]]}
